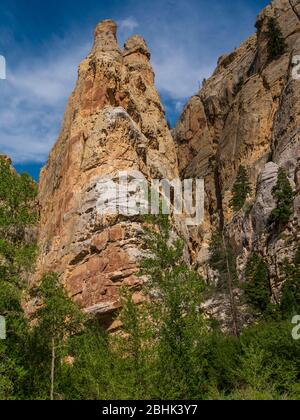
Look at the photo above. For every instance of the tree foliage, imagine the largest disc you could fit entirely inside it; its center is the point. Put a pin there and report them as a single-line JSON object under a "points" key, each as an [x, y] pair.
{"points": [[56, 319], [241, 190], [175, 311], [276, 42], [290, 302], [283, 194], [165, 349], [257, 284], [17, 252]]}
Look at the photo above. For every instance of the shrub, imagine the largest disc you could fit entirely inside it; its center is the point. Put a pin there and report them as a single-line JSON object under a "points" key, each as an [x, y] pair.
{"points": [[276, 42]]}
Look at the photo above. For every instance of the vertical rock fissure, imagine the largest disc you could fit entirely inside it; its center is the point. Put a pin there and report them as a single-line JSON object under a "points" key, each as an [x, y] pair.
{"points": [[229, 278]]}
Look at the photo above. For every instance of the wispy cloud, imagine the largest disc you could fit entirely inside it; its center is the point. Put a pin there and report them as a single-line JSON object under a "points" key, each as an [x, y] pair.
{"points": [[33, 99], [128, 24]]}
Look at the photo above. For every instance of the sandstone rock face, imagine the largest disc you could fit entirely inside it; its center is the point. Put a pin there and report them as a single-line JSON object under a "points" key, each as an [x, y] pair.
{"points": [[247, 114], [114, 122]]}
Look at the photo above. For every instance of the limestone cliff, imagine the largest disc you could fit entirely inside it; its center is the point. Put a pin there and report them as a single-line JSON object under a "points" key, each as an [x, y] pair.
{"points": [[114, 122], [247, 113]]}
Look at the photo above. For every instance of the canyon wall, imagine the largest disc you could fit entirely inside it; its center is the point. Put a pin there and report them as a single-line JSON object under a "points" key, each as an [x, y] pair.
{"points": [[247, 113]]}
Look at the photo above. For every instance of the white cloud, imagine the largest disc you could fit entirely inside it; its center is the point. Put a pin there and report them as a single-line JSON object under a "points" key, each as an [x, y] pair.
{"points": [[128, 24], [33, 99]]}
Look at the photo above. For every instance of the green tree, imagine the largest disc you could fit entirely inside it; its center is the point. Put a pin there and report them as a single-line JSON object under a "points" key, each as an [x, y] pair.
{"points": [[278, 354], [17, 195], [241, 189], [56, 319], [257, 285], [17, 215], [276, 42], [17, 253], [98, 370], [175, 311], [139, 337], [217, 259], [290, 301], [283, 194]]}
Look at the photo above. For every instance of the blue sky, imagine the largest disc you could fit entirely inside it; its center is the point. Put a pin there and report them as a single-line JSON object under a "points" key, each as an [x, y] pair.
{"points": [[43, 43]]}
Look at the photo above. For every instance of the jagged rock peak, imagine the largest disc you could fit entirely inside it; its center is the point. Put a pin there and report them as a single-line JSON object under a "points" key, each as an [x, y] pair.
{"points": [[106, 36], [105, 40], [5, 158], [136, 44]]}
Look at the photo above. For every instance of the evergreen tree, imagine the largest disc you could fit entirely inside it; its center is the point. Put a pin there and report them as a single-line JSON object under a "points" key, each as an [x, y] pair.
{"points": [[257, 286], [217, 253], [283, 194], [241, 189], [290, 301], [276, 42]]}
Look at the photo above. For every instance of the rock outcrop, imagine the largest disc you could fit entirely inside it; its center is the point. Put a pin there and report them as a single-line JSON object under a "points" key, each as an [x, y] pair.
{"points": [[114, 122], [247, 113]]}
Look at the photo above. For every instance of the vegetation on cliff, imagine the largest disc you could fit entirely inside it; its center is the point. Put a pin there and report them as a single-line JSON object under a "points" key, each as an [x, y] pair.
{"points": [[276, 42], [257, 284], [290, 302], [241, 189], [284, 195]]}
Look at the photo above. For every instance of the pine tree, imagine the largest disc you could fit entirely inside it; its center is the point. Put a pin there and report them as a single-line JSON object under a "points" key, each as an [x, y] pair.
{"points": [[257, 286], [241, 189], [290, 301], [283, 194], [276, 42], [217, 253]]}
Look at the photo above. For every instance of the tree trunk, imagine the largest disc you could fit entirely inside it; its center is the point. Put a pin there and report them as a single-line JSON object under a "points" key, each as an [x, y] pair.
{"points": [[52, 370]]}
